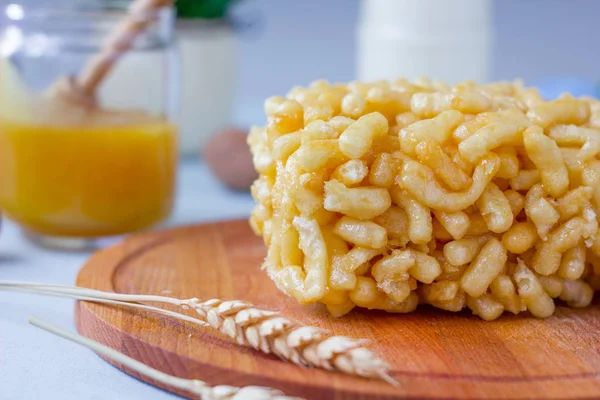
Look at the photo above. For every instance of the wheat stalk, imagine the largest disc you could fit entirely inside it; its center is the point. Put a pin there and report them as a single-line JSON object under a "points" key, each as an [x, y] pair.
{"points": [[193, 386], [263, 330], [114, 302]]}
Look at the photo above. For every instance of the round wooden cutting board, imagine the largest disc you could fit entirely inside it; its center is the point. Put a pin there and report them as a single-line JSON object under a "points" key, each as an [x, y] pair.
{"points": [[434, 354]]}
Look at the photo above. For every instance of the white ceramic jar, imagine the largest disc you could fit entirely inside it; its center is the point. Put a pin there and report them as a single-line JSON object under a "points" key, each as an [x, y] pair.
{"points": [[208, 66], [447, 40]]}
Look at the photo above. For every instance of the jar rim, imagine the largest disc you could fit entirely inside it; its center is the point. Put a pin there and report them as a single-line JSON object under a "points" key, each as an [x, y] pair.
{"points": [[15, 12], [81, 28]]}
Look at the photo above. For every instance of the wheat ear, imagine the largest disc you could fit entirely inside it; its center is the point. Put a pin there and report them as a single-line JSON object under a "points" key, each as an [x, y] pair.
{"points": [[269, 332], [263, 330], [194, 386]]}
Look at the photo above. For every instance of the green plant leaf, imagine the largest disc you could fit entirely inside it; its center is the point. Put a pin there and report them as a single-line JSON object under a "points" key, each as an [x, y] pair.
{"points": [[208, 9]]}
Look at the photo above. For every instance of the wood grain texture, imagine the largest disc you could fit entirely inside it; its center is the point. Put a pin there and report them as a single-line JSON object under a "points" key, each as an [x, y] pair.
{"points": [[434, 354]]}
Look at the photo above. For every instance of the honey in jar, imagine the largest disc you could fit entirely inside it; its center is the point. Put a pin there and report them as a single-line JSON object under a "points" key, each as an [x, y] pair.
{"points": [[106, 174]]}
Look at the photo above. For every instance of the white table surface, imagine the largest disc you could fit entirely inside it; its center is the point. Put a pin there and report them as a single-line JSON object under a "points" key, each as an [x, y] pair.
{"points": [[37, 365]]}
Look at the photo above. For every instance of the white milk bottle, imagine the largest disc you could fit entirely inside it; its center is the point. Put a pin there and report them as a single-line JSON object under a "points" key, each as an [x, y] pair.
{"points": [[446, 40]]}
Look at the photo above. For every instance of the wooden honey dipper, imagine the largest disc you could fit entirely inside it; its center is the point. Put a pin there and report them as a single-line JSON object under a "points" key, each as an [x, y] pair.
{"points": [[81, 90]]}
